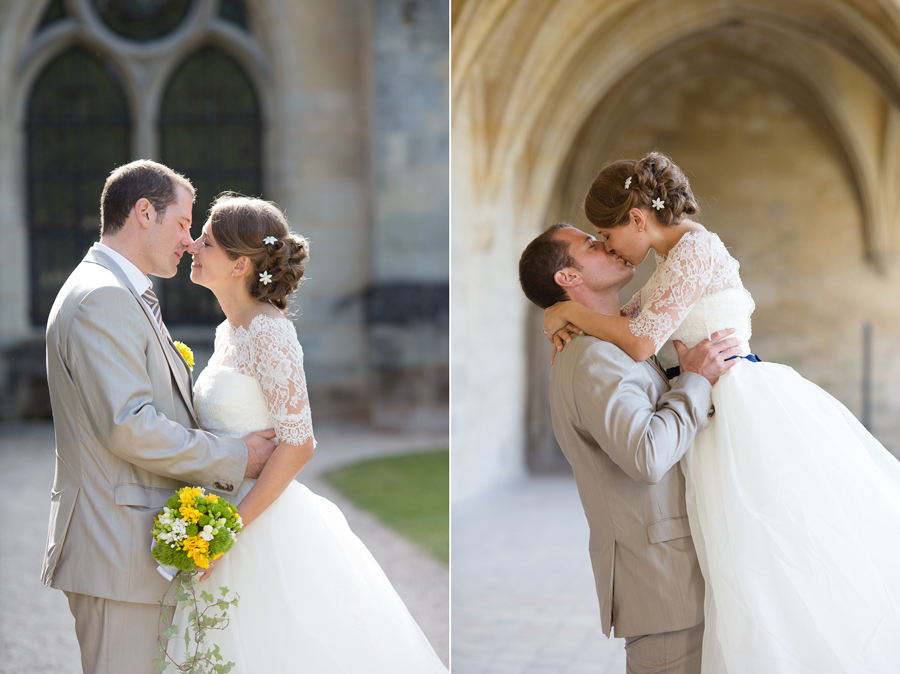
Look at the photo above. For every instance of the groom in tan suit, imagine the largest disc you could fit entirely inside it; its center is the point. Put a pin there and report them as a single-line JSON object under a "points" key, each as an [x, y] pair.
{"points": [[624, 430], [126, 431]]}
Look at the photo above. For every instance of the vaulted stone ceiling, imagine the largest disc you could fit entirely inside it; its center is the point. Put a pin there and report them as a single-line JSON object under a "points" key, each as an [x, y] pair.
{"points": [[537, 78]]}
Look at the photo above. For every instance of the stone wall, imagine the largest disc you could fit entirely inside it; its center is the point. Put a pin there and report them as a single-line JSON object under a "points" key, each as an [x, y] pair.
{"points": [[353, 100], [408, 305], [784, 113]]}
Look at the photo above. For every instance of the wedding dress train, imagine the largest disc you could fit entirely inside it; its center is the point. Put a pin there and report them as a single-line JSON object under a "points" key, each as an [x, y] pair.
{"points": [[794, 507], [312, 597]]}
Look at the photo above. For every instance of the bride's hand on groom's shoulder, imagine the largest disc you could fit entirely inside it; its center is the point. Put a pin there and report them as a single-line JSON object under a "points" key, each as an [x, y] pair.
{"points": [[563, 337], [557, 327], [556, 318], [709, 357]]}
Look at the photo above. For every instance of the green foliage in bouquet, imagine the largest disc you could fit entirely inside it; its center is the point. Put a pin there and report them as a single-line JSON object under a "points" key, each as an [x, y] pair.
{"points": [[200, 656], [193, 528]]}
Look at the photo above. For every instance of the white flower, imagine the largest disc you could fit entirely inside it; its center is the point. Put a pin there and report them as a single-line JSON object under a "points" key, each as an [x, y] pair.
{"points": [[658, 204], [179, 529], [628, 183], [269, 239], [265, 278], [207, 533]]}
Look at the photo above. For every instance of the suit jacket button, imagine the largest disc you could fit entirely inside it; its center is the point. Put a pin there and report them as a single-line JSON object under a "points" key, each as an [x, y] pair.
{"points": [[219, 485], [229, 487], [711, 412]]}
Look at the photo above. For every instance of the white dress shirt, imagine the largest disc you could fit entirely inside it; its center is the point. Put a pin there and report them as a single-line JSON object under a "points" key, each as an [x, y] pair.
{"points": [[138, 279]]}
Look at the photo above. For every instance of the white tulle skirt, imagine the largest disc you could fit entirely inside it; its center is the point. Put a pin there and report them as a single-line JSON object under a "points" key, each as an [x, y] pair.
{"points": [[795, 513], [312, 599]]}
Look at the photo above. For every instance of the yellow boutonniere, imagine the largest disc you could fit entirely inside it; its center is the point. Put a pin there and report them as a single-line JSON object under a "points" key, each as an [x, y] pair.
{"points": [[186, 353]]}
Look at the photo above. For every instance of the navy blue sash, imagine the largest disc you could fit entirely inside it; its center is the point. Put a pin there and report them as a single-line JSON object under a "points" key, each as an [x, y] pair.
{"points": [[752, 357]]}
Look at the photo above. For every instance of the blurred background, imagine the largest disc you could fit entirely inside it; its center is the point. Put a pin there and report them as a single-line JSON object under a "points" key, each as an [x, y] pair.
{"points": [[337, 111], [785, 116]]}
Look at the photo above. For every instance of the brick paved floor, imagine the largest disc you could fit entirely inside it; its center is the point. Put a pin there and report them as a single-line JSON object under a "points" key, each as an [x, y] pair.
{"points": [[37, 633], [523, 598]]}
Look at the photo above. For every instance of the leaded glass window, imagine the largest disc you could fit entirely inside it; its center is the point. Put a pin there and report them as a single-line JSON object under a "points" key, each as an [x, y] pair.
{"points": [[142, 20], [78, 131], [210, 130], [236, 12], [56, 11]]}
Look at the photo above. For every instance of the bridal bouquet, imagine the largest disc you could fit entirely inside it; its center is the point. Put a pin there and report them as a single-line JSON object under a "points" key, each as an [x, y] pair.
{"points": [[192, 529]]}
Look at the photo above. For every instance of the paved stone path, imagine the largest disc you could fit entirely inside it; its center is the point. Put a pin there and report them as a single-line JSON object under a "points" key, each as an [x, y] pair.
{"points": [[37, 633], [523, 596]]}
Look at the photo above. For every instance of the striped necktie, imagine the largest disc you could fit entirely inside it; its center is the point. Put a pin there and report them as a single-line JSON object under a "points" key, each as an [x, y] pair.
{"points": [[153, 302]]}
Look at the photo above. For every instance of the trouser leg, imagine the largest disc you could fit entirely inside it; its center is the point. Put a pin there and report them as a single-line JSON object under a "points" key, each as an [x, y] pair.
{"points": [[115, 637], [666, 653]]}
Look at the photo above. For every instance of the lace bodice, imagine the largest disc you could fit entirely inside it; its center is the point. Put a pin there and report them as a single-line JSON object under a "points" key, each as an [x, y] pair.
{"points": [[695, 291], [255, 380]]}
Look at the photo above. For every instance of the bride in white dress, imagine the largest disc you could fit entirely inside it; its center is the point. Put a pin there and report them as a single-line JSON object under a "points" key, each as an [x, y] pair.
{"points": [[794, 507], [312, 597]]}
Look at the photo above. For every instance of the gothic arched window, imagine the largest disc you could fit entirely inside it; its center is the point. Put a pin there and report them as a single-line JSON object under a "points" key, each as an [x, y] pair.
{"points": [[142, 20], [78, 130], [210, 130]]}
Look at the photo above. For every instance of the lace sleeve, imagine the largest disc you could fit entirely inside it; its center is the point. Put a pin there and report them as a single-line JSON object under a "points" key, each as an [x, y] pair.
{"points": [[633, 307], [277, 362], [678, 283]]}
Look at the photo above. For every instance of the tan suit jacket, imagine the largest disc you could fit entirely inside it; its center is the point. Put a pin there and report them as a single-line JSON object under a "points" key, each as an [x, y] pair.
{"points": [[623, 431], [126, 436]]}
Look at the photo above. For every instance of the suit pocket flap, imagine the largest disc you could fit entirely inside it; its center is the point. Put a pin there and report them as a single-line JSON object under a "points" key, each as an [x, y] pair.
{"points": [[145, 497], [668, 529]]}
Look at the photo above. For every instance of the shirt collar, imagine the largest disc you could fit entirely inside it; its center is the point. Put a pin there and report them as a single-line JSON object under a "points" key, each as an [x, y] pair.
{"points": [[137, 278]]}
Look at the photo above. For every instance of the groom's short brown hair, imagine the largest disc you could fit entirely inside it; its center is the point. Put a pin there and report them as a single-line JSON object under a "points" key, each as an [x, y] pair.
{"points": [[540, 261], [141, 179]]}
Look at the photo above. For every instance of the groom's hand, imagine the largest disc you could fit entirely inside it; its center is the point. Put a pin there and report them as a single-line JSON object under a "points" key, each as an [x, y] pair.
{"points": [[259, 448], [708, 357]]}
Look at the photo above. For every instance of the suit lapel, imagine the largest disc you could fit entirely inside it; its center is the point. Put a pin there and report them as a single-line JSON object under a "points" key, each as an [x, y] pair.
{"points": [[654, 361], [177, 364]]}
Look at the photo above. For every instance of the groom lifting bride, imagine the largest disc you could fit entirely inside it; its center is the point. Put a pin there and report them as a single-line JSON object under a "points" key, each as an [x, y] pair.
{"points": [[624, 430], [785, 496]]}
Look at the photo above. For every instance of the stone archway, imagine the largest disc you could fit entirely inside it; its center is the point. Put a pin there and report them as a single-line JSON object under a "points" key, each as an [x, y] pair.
{"points": [[542, 97]]}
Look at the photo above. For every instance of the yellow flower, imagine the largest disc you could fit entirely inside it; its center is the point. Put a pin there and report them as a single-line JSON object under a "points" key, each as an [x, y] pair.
{"points": [[188, 494], [190, 514], [197, 549], [186, 353], [212, 498]]}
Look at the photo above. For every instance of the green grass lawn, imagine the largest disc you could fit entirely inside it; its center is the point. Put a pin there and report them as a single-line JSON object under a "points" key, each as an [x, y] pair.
{"points": [[410, 493]]}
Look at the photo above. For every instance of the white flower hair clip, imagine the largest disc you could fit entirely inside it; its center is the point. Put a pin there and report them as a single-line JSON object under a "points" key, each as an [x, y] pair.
{"points": [[269, 239], [658, 204], [628, 183], [265, 278]]}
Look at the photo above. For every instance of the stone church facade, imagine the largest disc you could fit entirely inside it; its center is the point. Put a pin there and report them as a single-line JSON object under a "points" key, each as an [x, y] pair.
{"points": [[785, 114], [337, 111]]}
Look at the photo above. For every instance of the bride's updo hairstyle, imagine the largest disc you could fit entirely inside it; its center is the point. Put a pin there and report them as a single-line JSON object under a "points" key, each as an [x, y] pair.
{"points": [[626, 184], [241, 225]]}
